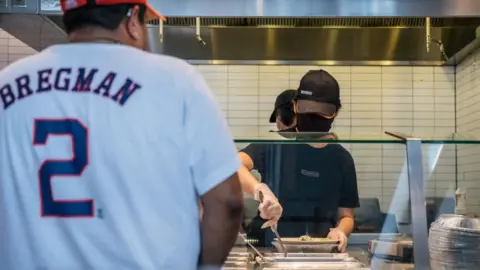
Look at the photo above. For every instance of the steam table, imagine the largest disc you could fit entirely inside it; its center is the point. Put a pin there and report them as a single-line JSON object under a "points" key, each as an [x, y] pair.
{"points": [[355, 258]]}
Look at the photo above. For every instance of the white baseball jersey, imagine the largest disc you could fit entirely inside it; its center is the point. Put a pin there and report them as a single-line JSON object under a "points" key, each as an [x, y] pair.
{"points": [[104, 149]]}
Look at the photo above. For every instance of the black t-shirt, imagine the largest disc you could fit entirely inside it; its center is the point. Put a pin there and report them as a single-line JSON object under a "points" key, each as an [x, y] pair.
{"points": [[310, 183]]}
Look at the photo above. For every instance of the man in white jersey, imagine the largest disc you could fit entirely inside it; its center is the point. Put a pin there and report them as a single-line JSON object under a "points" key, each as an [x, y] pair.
{"points": [[93, 175]]}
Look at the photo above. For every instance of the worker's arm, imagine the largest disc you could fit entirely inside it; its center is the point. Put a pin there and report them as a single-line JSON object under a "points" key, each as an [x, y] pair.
{"points": [[345, 220], [344, 228], [248, 181], [269, 207], [348, 201]]}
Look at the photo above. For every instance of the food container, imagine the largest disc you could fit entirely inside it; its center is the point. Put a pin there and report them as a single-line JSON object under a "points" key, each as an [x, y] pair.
{"points": [[309, 259], [393, 250], [311, 241], [238, 254], [306, 265], [238, 259], [316, 255], [454, 243], [238, 265], [307, 248]]}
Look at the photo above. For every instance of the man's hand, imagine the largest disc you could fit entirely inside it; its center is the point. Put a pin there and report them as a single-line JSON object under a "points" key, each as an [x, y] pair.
{"points": [[269, 206], [338, 234]]}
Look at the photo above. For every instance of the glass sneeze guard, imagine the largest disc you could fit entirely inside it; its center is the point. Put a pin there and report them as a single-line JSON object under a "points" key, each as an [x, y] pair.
{"points": [[312, 137], [401, 170], [373, 138]]}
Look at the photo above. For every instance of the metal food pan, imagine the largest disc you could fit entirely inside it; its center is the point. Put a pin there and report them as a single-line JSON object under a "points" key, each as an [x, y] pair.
{"points": [[314, 268], [321, 248], [305, 265], [237, 259], [310, 259], [315, 255], [238, 265], [238, 254], [313, 241]]}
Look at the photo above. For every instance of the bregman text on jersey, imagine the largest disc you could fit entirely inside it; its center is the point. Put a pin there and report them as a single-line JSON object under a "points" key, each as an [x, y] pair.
{"points": [[68, 80]]}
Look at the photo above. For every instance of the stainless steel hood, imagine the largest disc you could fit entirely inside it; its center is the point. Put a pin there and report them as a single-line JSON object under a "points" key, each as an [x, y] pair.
{"points": [[327, 41], [308, 8], [367, 32]]}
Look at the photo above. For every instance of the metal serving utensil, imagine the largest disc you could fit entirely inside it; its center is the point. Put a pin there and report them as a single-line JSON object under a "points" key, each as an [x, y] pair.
{"points": [[254, 249], [273, 227], [274, 230]]}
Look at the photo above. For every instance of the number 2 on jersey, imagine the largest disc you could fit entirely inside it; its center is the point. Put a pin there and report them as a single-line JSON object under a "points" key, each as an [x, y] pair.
{"points": [[50, 207]]}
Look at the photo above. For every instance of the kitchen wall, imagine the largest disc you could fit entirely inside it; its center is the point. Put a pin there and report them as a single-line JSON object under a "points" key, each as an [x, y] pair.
{"points": [[12, 49], [468, 125], [375, 99]]}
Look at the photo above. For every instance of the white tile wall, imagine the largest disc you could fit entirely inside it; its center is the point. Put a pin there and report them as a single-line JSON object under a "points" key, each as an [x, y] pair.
{"points": [[375, 99], [468, 122], [12, 49]]}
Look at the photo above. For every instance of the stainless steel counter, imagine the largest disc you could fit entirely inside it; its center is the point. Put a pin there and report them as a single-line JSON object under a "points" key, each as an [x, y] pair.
{"points": [[358, 252]]}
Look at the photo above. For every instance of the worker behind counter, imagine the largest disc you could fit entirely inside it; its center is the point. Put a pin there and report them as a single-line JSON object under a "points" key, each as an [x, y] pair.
{"points": [[317, 185], [269, 207]]}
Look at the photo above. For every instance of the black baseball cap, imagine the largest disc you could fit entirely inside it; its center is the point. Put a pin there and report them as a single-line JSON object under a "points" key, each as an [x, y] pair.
{"points": [[284, 99], [319, 93]]}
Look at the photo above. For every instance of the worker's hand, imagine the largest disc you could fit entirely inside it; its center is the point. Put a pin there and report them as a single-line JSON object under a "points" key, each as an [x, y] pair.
{"points": [[338, 234], [269, 206]]}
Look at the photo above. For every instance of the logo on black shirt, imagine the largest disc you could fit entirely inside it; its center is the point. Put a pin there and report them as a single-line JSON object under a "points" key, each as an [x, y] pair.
{"points": [[310, 173]]}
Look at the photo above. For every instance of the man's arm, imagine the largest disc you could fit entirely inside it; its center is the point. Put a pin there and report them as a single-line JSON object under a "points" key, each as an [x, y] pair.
{"points": [[223, 207], [247, 180], [213, 162]]}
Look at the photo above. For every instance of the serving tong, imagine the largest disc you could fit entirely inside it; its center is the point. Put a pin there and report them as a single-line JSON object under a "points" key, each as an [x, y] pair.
{"points": [[273, 227]]}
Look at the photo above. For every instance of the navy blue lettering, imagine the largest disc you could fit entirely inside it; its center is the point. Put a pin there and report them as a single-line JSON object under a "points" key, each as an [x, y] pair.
{"points": [[65, 80], [49, 169], [128, 88], [83, 82], [44, 84], [6, 93], [106, 84], [23, 86]]}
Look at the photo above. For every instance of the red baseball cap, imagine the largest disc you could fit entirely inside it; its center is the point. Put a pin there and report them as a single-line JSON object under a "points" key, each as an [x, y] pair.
{"points": [[152, 14]]}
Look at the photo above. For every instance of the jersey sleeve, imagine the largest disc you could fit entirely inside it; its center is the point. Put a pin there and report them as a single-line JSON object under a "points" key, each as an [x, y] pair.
{"points": [[349, 193], [212, 153], [257, 153]]}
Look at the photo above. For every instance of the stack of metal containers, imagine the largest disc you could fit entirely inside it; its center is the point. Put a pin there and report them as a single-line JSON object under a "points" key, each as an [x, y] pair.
{"points": [[454, 241]]}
